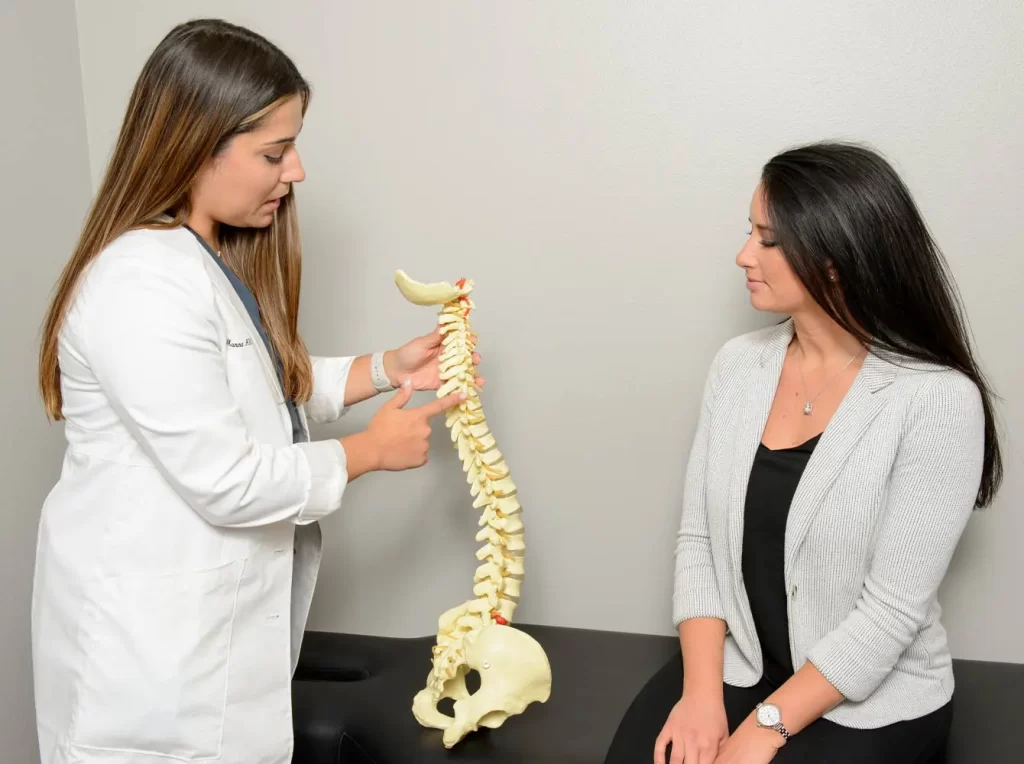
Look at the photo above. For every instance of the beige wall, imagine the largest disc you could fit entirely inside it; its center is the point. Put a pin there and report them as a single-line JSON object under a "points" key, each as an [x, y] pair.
{"points": [[44, 192]]}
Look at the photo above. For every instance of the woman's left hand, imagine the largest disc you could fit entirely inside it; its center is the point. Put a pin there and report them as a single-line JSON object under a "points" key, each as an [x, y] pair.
{"points": [[417, 361], [750, 744]]}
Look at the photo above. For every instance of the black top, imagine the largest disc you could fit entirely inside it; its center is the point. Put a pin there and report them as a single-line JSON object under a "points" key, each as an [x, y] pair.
{"points": [[249, 300], [773, 481]]}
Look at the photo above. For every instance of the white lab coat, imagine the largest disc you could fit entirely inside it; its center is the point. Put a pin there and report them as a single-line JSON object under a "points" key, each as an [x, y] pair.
{"points": [[178, 552]]}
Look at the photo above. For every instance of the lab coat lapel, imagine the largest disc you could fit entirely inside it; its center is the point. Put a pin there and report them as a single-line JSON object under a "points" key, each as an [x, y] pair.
{"points": [[227, 291], [858, 408]]}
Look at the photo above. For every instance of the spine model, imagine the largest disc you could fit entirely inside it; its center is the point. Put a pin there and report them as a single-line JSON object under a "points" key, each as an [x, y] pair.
{"points": [[498, 578]]}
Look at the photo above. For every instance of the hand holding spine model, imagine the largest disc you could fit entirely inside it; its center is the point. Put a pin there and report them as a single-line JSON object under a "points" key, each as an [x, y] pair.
{"points": [[514, 670]]}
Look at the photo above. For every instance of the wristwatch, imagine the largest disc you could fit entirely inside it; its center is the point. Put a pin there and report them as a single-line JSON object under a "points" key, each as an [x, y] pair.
{"points": [[768, 715]]}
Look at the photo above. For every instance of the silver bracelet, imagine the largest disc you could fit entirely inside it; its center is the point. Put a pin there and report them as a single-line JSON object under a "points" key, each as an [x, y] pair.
{"points": [[380, 380]]}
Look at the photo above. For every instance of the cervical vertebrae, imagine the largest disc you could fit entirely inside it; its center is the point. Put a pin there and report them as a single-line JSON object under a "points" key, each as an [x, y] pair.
{"points": [[514, 670]]}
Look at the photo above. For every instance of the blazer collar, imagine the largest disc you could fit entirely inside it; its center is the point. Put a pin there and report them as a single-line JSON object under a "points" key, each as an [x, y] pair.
{"points": [[859, 406], [876, 372]]}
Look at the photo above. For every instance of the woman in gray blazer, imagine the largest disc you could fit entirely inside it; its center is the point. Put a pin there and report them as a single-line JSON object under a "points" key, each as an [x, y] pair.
{"points": [[837, 458]]}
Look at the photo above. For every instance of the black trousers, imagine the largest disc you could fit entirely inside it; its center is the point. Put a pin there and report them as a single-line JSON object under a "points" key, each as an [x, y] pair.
{"points": [[916, 741]]}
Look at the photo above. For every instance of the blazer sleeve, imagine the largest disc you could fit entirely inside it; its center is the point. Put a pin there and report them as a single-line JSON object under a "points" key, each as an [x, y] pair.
{"points": [[150, 333], [330, 376], [696, 593], [931, 494]]}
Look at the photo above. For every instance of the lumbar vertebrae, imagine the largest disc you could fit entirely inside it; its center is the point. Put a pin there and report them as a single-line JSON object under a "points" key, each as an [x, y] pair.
{"points": [[477, 635]]}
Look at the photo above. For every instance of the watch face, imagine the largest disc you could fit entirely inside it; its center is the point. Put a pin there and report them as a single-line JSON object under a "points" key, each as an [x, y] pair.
{"points": [[768, 715]]}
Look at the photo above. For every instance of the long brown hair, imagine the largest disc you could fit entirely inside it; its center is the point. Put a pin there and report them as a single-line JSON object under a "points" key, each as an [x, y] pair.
{"points": [[842, 206], [207, 81]]}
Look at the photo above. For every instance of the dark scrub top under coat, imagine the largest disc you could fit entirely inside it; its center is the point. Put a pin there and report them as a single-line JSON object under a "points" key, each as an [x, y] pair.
{"points": [[773, 481], [249, 300]]}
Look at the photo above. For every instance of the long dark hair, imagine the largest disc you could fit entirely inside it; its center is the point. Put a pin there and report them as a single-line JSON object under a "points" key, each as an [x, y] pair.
{"points": [[207, 81], [841, 208]]}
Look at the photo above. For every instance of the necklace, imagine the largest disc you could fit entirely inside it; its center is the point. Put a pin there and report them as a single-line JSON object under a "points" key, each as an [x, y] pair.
{"points": [[809, 405]]}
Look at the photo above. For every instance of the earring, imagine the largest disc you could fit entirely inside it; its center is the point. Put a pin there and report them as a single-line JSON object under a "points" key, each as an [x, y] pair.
{"points": [[831, 277]]}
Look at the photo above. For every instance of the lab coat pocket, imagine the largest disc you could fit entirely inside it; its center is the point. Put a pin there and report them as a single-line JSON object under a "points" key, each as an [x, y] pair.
{"points": [[155, 652]]}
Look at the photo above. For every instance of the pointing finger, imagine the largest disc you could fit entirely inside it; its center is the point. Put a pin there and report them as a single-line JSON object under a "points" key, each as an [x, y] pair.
{"points": [[442, 404]]}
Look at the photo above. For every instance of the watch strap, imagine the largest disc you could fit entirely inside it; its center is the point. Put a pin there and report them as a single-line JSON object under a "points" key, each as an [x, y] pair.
{"points": [[380, 380]]}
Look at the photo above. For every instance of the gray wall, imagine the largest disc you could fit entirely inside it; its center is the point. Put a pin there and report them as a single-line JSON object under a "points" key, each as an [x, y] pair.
{"points": [[589, 164], [44, 194]]}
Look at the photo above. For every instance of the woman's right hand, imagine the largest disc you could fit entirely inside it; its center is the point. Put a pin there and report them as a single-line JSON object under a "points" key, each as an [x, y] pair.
{"points": [[697, 726], [401, 436]]}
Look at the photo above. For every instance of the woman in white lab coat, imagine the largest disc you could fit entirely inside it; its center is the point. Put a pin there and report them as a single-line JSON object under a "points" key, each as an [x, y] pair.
{"points": [[178, 551]]}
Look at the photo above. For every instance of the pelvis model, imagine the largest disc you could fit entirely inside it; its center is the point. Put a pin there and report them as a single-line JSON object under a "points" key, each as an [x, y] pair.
{"points": [[478, 635]]}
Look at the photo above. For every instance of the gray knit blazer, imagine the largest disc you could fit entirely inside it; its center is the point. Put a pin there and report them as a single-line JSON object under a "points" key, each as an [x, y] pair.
{"points": [[876, 516]]}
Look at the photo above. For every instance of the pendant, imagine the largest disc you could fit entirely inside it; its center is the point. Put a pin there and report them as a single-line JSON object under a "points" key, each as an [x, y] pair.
{"points": [[807, 408]]}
